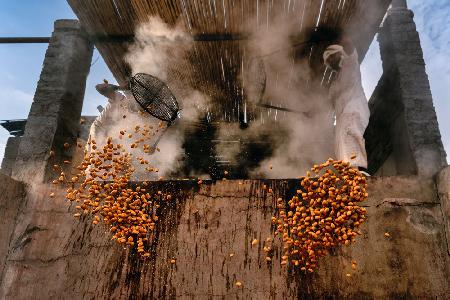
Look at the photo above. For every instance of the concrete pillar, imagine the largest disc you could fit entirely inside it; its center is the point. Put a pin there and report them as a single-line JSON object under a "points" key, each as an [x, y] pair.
{"points": [[443, 186], [399, 4], [55, 113], [416, 140], [9, 158]]}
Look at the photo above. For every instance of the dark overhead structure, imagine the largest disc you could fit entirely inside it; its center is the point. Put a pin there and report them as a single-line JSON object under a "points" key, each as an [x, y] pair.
{"points": [[222, 24], [15, 127]]}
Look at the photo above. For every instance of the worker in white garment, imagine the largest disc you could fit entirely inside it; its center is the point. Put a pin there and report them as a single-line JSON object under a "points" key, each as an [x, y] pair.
{"points": [[350, 104]]}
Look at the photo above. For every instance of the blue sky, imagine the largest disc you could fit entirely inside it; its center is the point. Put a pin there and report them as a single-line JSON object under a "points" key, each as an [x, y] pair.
{"points": [[20, 64]]}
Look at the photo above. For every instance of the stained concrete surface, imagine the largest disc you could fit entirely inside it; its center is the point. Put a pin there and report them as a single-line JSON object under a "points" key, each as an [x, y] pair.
{"points": [[12, 195], [443, 184], [52, 255]]}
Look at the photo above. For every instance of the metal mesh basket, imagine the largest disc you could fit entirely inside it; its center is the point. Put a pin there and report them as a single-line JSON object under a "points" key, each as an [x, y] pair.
{"points": [[154, 96]]}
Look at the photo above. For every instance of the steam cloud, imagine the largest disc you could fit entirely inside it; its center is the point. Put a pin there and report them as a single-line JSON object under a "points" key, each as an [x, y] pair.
{"points": [[298, 140], [160, 50], [274, 73]]}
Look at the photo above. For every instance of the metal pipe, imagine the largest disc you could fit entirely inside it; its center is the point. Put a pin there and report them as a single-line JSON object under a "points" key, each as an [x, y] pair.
{"points": [[114, 38], [24, 40]]}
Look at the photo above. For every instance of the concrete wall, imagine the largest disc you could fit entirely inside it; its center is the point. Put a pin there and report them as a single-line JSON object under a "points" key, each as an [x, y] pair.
{"points": [[385, 109], [9, 157], [443, 181], [12, 145], [66, 258], [12, 199]]}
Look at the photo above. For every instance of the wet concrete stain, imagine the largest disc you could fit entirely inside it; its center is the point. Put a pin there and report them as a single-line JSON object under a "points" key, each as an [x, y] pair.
{"points": [[132, 277], [26, 237], [139, 273], [423, 220]]}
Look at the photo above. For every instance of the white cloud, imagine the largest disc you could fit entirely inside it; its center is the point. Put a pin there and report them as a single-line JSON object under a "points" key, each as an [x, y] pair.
{"points": [[2, 151], [18, 95], [17, 102]]}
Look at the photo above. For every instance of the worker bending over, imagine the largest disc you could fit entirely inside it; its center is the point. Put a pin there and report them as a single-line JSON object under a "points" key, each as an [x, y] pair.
{"points": [[119, 104]]}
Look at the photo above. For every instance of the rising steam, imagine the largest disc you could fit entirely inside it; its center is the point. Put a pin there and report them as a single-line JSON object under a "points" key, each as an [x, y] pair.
{"points": [[160, 50], [297, 140], [276, 70]]}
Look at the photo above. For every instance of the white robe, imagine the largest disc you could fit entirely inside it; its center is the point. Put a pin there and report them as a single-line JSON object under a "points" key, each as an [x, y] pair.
{"points": [[351, 108], [118, 105]]}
